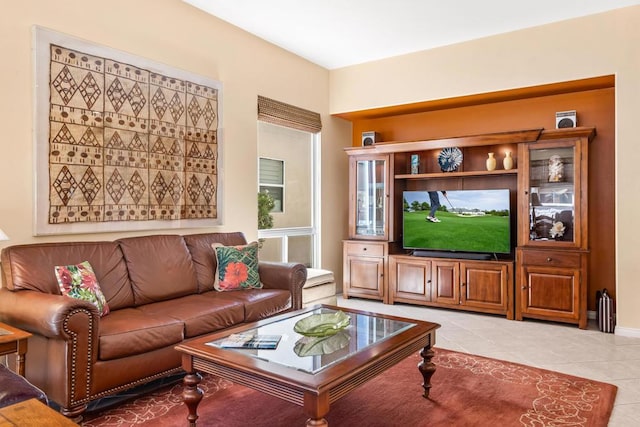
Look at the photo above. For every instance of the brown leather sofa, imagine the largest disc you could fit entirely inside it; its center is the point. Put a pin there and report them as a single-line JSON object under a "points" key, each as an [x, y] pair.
{"points": [[160, 292]]}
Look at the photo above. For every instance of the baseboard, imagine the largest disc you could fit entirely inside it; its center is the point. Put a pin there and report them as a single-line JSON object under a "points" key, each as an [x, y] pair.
{"points": [[619, 330], [627, 332]]}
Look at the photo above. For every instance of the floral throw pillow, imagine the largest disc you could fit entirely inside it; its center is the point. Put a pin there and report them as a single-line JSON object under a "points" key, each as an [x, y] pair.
{"points": [[79, 281], [237, 267]]}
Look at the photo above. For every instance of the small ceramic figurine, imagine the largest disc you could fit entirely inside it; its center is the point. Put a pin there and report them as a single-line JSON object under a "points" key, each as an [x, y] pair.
{"points": [[557, 230], [556, 169]]}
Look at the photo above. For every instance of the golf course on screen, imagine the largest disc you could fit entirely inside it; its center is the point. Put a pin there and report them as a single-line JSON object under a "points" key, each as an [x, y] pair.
{"points": [[456, 232]]}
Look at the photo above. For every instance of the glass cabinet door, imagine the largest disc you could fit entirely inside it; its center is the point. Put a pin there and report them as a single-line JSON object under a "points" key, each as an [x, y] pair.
{"points": [[553, 194], [371, 201]]}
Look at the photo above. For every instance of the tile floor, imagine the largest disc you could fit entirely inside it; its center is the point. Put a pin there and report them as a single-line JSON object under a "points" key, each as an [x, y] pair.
{"points": [[564, 348]]}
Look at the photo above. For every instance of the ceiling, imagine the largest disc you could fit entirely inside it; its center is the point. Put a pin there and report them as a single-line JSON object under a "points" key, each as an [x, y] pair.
{"points": [[339, 33]]}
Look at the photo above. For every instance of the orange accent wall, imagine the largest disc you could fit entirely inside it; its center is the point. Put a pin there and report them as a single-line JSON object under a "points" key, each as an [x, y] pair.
{"points": [[595, 106]]}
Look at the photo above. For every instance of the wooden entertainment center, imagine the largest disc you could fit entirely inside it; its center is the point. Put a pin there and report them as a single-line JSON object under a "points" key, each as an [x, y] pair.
{"points": [[545, 274]]}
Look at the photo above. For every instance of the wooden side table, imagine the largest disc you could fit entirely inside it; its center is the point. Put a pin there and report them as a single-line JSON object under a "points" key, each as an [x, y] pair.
{"points": [[14, 340]]}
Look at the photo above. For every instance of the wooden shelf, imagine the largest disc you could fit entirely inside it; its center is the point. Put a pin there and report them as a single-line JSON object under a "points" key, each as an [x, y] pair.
{"points": [[514, 137], [456, 174]]}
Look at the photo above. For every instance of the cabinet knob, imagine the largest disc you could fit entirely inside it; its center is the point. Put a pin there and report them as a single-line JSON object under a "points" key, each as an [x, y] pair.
{"points": [[364, 249], [463, 284], [524, 288], [549, 259]]}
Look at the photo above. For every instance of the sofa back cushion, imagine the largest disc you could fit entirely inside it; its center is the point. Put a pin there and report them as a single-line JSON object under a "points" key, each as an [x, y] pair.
{"points": [[31, 267], [203, 256], [160, 267]]}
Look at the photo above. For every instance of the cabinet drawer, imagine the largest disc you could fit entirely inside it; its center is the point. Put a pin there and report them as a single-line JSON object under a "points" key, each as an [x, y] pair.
{"points": [[367, 249], [551, 258]]}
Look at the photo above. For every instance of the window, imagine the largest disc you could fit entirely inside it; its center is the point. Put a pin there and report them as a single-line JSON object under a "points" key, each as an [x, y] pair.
{"points": [[289, 137], [271, 176], [287, 171]]}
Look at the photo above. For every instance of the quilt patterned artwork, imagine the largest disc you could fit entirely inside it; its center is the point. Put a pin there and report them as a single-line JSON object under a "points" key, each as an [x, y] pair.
{"points": [[128, 143]]}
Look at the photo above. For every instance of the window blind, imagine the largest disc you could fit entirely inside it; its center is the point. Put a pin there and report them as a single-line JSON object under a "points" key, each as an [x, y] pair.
{"points": [[271, 171], [279, 113]]}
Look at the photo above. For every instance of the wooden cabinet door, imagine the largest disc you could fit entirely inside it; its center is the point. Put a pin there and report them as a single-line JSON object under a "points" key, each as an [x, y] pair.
{"points": [[552, 285], [364, 269], [370, 217], [445, 278], [485, 286], [364, 277], [410, 279], [550, 293], [552, 191]]}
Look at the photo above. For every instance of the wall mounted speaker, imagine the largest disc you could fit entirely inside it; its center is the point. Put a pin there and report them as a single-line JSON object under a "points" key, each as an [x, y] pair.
{"points": [[370, 138], [566, 119]]}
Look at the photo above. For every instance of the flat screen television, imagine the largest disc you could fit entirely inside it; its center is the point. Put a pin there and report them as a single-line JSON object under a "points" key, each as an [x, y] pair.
{"points": [[467, 221]]}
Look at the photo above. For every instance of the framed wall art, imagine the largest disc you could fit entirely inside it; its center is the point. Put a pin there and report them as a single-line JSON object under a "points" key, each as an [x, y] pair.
{"points": [[121, 142]]}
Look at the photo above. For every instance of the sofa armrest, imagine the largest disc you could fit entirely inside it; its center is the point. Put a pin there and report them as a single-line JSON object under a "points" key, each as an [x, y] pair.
{"points": [[48, 315], [288, 276], [71, 328]]}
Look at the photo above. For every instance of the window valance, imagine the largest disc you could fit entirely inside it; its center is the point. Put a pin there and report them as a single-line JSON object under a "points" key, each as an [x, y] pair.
{"points": [[280, 113]]}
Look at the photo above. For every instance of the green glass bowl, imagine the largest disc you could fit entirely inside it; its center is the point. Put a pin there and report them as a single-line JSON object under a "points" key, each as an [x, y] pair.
{"points": [[317, 346], [322, 325]]}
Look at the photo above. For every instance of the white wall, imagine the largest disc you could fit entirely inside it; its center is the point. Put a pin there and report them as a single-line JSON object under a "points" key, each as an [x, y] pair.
{"points": [[176, 34], [603, 44]]}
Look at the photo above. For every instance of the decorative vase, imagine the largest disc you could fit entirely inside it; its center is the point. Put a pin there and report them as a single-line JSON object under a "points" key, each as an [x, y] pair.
{"points": [[491, 162], [415, 163], [508, 161]]}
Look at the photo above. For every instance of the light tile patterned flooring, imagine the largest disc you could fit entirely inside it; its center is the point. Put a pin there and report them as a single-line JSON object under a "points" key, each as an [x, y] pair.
{"points": [[564, 348]]}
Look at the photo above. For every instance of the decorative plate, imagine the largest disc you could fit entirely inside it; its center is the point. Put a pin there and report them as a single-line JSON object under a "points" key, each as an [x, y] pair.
{"points": [[450, 159]]}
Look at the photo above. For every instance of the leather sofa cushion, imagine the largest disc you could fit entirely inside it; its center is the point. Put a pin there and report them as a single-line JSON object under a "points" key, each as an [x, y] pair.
{"points": [[131, 331], [112, 374], [258, 303], [200, 315], [160, 268], [31, 267], [203, 257]]}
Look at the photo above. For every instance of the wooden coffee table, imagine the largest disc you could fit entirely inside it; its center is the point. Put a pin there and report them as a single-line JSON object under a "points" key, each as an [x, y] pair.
{"points": [[370, 345]]}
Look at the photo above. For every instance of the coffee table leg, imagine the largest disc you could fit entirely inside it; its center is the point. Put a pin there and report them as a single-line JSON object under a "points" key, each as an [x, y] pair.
{"points": [[317, 423], [316, 407], [192, 395], [427, 368]]}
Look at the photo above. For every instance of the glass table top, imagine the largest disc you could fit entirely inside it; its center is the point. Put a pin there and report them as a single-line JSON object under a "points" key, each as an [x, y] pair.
{"points": [[313, 354]]}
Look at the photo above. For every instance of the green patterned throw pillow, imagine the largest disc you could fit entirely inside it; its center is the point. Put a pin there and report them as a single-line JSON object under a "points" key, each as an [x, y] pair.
{"points": [[237, 267], [80, 282]]}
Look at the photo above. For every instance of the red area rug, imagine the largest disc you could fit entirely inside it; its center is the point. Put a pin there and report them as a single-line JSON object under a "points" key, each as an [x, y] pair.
{"points": [[467, 391]]}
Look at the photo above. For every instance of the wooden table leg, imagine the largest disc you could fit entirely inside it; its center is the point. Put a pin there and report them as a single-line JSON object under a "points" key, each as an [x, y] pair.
{"points": [[192, 395], [317, 423], [427, 368], [20, 364], [317, 407], [21, 353]]}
